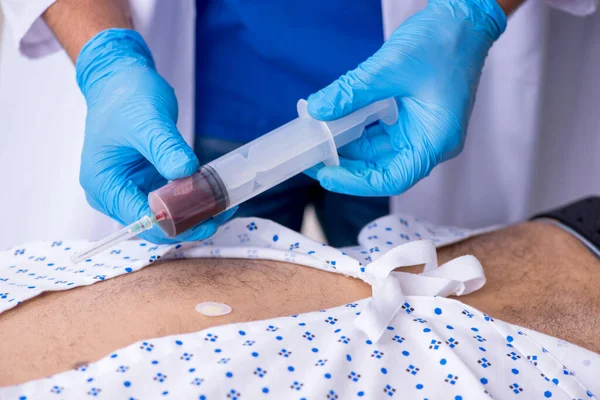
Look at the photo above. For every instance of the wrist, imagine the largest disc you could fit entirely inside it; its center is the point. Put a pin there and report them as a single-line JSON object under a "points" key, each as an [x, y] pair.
{"points": [[488, 13], [509, 6], [107, 52], [494, 11], [74, 22]]}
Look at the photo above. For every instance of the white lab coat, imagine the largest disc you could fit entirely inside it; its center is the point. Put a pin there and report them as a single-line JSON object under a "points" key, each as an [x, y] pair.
{"points": [[533, 141]]}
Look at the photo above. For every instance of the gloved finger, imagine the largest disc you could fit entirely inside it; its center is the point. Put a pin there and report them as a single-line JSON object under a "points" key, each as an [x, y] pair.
{"points": [[160, 142], [133, 206], [156, 236], [123, 202], [207, 228], [313, 171], [225, 216], [389, 177], [371, 146], [353, 177], [201, 231], [155, 183], [142, 173], [356, 89], [126, 205]]}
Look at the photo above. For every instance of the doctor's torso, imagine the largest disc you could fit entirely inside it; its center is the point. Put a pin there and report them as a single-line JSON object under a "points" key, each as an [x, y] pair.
{"points": [[254, 60]]}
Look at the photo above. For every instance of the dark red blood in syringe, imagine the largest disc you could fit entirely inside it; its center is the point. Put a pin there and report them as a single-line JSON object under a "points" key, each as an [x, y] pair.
{"points": [[189, 201]]}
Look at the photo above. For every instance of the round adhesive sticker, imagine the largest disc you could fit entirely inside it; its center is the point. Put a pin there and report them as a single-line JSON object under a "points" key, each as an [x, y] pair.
{"points": [[213, 309]]}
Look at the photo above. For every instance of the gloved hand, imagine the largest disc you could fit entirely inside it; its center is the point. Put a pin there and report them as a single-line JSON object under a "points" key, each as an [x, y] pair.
{"points": [[132, 145], [431, 64]]}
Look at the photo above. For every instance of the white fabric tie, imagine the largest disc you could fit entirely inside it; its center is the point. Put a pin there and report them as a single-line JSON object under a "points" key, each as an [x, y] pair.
{"points": [[460, 276]]}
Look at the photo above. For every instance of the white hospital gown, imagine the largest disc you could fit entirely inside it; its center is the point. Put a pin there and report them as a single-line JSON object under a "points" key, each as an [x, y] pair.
{"points": [[407, 341]]}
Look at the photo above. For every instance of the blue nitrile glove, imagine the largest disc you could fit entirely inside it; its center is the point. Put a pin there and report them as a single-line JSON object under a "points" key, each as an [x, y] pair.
{"points": [[431, 64], [132, 145]]}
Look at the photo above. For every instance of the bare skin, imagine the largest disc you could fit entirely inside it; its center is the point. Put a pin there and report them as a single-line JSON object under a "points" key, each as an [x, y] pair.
{"points": [[510, 6], [538, 276], [74, 22]]}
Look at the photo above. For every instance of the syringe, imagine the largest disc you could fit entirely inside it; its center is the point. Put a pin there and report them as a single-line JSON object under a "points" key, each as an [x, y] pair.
{"points": [[139, 226], [250, 170]]}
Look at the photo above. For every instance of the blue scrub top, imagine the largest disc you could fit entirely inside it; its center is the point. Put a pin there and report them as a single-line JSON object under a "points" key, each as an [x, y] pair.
{"points": [[255, 59]]}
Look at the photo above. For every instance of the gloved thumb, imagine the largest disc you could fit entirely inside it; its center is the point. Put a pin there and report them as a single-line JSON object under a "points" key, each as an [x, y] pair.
{"points": [[353, 91], [164, 147]]}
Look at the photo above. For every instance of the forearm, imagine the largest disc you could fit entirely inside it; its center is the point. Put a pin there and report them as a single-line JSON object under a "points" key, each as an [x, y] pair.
{"points": [[74, 22], [509, 6]]}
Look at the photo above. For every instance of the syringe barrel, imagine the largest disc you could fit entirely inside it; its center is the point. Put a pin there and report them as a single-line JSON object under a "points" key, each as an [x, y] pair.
{"points": [[189, 201], [259, 165], [240, 175]]}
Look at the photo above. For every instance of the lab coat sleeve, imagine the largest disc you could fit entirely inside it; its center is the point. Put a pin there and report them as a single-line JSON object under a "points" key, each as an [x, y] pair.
{"points": [[31, 35], [575, 7]]}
